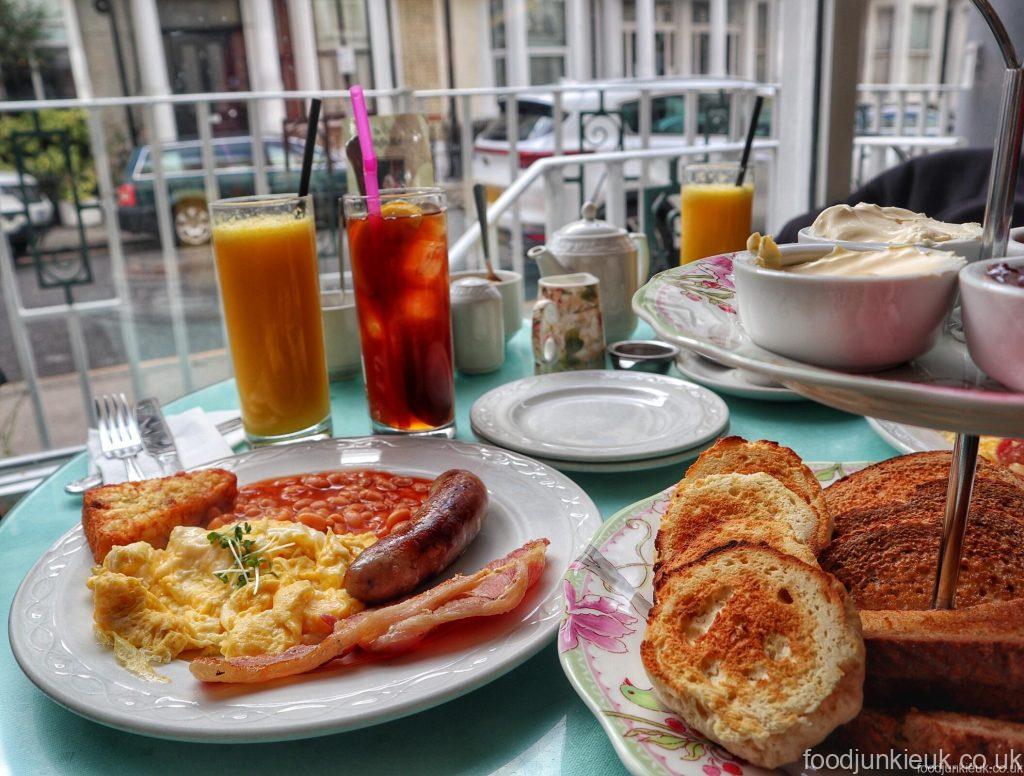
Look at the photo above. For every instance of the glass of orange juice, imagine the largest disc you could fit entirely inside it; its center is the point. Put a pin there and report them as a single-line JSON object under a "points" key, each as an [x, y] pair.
{"points": [[265, 251], [714, 212]]}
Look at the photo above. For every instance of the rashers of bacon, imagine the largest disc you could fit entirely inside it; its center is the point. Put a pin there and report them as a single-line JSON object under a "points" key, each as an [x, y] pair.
{"points": [[497, 588]]}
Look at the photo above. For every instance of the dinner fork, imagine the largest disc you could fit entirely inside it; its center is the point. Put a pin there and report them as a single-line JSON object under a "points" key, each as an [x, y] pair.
{"points": [[119, 432]]}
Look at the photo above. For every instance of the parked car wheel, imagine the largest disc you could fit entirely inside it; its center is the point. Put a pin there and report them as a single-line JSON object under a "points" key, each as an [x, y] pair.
{"points": [[192, 223]]}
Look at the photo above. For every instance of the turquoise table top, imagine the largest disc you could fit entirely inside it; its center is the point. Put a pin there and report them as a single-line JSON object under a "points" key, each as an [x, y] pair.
{"points": [[530, 721]]}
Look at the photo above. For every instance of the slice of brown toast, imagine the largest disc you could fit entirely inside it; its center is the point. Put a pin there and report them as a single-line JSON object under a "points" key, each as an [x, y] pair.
{"points": [[879, 731], [736, 455], [757, 650], [928, 503], [896, 480], [147, 510], [892, 565], [969, 659], [709, 512]]}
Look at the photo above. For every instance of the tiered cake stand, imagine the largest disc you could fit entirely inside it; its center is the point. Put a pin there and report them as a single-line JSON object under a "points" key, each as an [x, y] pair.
{"points": [[693, 306]]}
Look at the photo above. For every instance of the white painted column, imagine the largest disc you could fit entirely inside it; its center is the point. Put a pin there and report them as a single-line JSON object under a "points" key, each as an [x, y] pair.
{"points": [[645, 39], [719, 20], [380, 49], [304, 48], [577, 30], [612, 29], [264, 60], [748, 38], [152, 61], [793, 114], [517, 55], [76, 51]]}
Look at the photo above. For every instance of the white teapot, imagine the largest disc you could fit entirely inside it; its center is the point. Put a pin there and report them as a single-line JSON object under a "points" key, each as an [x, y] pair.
{"points": [[619, 259]]}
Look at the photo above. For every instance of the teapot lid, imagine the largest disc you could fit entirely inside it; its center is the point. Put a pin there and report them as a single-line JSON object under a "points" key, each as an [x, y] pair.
{"points": [[590, 225], [590, 234]]}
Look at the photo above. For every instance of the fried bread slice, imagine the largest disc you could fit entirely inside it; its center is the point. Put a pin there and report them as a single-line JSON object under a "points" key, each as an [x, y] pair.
{"points": [[736, 455], [757, 650], [708, 512], [147, 510]]}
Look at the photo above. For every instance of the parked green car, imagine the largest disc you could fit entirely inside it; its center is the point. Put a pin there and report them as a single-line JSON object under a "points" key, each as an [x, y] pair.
{"points": [[233, 163]]}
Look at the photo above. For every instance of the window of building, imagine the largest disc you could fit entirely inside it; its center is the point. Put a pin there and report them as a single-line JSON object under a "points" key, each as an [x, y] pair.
{"points": [[761, 34], [498, 43], [546, 40], [664, 38], [881, 56], [343, 43], [919, 54]]}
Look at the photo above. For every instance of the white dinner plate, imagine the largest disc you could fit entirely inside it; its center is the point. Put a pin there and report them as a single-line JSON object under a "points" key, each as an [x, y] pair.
{"points": [[731, 381], [599, 416], [51, 617], [910, 439], [694, 306], [599, 648]]}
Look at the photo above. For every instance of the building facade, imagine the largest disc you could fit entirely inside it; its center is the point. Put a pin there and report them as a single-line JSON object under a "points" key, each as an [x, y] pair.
{"points": [[159, 47]]}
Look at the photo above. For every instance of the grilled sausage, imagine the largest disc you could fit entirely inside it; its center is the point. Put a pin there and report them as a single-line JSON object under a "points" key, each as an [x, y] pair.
{"points": [[441, 530]]}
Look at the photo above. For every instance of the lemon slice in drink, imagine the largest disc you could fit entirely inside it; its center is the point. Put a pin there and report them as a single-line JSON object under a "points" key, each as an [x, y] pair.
{"points": [[400, 209]]}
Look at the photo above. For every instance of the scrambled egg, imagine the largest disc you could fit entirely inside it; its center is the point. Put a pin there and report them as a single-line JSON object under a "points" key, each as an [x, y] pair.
{"points": [[164, 602]]}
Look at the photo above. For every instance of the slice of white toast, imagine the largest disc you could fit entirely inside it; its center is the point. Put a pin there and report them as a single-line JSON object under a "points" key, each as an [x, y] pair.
{"points": [[757, 650], [712, 511], [735, 455]]}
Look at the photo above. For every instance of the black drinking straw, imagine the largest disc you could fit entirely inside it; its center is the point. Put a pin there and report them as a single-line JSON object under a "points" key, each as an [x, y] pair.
{"points": [[750, 139], [307, 153]]}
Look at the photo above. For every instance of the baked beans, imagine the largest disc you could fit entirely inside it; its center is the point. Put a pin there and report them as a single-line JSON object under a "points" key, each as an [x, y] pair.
{"points": [[350, 501]]}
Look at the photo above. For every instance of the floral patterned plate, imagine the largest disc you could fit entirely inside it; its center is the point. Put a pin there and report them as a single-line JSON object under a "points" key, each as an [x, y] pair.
{"points": [[693, 306], [599, 647]]}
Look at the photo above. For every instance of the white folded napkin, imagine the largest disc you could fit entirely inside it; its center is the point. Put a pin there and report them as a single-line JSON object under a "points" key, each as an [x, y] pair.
{"points": [[195, 435]]}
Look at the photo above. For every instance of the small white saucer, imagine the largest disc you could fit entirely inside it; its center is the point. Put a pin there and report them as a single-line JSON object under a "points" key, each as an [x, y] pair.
{"points": [[730, 381], [599, 416]]}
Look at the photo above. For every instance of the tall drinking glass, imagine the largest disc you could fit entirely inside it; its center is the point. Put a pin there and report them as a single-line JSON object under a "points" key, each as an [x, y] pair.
{"points": [[400, 272], [714, 212], [265, 251]]}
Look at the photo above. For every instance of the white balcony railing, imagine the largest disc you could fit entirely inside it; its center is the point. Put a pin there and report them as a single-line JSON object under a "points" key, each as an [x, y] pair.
{"points": [[619, 172]]}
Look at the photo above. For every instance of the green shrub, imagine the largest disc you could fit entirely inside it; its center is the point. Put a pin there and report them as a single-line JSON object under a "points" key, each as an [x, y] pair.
{"points": [[43, 156]]}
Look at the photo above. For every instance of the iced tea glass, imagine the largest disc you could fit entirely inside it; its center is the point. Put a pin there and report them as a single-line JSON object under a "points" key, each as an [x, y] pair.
{"points": [[400, 272], [265, 251]]}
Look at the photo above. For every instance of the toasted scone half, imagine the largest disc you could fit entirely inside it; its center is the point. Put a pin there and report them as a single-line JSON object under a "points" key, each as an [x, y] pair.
{"points": [[147, 511], [711, 511], [735, 455], [757, 650]]}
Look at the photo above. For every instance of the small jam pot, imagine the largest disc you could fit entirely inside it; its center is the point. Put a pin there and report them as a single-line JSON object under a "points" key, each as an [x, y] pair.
{"points": [[643, 355]]}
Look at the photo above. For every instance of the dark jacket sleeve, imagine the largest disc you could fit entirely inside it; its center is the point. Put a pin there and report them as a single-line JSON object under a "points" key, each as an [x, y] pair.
{"points": [[948, 185]]}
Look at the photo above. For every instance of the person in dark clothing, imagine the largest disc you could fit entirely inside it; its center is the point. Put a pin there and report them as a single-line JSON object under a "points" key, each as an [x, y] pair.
{"points": [[950, 186]]}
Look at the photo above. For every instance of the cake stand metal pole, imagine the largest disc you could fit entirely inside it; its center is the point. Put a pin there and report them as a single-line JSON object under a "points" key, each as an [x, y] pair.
{"points": [[1002, 186]]}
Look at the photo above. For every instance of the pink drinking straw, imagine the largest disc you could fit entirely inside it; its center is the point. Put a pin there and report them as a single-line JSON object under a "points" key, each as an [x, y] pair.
{"points": [[366, 149]]}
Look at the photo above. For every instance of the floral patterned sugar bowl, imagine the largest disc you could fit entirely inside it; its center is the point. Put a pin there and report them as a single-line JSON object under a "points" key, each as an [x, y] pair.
{"points": [[568, 332], [603, 623]]}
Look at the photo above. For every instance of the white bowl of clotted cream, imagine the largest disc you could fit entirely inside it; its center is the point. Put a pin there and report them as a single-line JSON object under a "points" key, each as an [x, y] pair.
{"points": [[993, 313], [869, 226], [846, 309]]}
